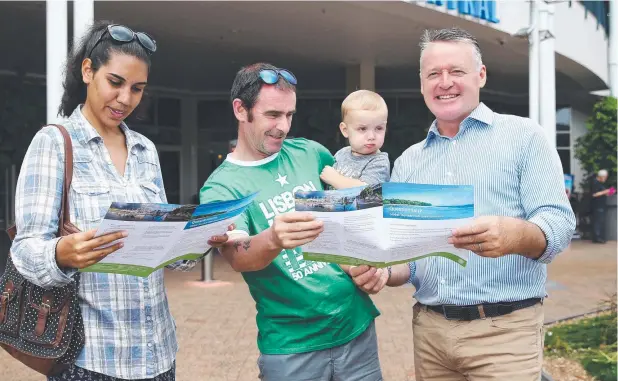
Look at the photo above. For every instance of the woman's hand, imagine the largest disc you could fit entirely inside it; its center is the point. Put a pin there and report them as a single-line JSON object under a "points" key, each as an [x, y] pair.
{"points": [[80, 250]]}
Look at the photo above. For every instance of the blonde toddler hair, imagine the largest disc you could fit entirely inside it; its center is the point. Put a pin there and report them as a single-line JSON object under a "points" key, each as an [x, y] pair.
{"points": [[362, 100]]}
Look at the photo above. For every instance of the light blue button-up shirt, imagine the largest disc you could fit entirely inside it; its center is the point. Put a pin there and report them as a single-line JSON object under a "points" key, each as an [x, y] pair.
{"points": [[515, 173]]}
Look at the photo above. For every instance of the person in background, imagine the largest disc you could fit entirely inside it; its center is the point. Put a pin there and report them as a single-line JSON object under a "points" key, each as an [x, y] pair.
{"points": [[599, 204]]}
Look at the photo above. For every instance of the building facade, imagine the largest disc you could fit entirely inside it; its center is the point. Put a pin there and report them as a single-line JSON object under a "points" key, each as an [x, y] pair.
{"points": [[332, 47]]}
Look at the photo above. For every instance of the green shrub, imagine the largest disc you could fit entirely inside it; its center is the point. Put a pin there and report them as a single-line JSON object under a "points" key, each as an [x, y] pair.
{"points": [[601, 363], [591, 341], [597, 148]]}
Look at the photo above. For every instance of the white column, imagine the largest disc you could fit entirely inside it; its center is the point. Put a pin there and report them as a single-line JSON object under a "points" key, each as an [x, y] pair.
{"points": [[533, 61], [368, 75], [56, 51], [360, 76], [548, 72], [83, 17], [613, 47], [189, 184]]}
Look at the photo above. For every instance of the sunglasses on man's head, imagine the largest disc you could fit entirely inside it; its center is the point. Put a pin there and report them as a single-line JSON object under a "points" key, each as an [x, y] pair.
{"points": [[271, 76], [121, 33]]}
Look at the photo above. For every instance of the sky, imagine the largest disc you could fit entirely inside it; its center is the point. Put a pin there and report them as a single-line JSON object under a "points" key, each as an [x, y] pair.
{"points": [[437, 195]]}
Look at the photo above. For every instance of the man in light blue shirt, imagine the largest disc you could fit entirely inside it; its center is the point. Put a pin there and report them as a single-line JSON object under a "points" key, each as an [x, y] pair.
{"points": [[485, 320]]}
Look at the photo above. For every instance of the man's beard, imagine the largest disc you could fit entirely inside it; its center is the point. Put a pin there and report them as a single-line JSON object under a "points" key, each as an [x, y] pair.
{"points": [[277, 134]]}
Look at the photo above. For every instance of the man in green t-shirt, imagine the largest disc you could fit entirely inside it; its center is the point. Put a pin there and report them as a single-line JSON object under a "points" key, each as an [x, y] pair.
{"points": [[313, 322]]}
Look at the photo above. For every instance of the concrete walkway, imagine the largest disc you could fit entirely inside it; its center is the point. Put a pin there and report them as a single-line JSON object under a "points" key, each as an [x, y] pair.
{"points": [[216, 322]]}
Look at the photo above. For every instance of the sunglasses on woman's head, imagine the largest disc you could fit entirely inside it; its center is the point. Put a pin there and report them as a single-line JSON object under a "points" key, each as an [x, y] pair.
{"points": [[121, 33]]}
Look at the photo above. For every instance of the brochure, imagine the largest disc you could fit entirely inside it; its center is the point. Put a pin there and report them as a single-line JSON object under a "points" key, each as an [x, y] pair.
{"points": [[160, 234], [387, 223]]}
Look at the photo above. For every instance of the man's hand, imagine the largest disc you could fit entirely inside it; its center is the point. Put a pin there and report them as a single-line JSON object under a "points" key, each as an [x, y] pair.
{"points": [[495, 236], [294, 229], [219, 240], [369, 279], [288, 231]]}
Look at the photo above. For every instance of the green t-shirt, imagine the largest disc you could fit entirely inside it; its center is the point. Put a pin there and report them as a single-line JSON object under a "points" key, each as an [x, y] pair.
{"points": [[302, 306]]}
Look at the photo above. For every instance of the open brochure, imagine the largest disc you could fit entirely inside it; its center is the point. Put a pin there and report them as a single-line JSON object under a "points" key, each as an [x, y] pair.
{"points": [[387, 223], [160, 234]]}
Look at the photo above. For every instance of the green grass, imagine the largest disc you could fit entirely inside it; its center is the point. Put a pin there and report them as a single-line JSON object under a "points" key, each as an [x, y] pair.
{"points": [[591, 341]]}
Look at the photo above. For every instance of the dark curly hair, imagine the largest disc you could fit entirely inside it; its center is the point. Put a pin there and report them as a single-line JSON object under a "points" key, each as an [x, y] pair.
{"points": [[74, 87]]}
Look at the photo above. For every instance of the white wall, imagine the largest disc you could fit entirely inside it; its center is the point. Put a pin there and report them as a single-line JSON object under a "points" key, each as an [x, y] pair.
{"points": [[577, 37]]}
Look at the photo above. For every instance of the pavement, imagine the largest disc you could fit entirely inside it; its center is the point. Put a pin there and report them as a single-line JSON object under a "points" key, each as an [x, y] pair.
{"points": [[217, 332]]}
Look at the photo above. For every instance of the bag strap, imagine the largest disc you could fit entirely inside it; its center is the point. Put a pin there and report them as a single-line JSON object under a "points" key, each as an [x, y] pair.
{"points": [[65, 216], [66, 183]]}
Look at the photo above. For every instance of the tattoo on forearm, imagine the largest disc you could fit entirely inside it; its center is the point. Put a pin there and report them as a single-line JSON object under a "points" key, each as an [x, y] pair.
{"points": [[236, 245], [245, 244]]}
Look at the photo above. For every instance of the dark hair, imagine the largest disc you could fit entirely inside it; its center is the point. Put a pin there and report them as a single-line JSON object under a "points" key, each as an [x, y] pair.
{"points": [[74, 87], [247, 84]]}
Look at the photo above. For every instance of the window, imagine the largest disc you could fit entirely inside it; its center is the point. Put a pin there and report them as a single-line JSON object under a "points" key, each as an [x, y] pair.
{"points": [[563, 140], [159, 119], [563, 137], [565, 158], [216, 115], [168, 110], [563, 119], [317, 119], [170, 170], [144, 114], [391, 104], [562, 127]]}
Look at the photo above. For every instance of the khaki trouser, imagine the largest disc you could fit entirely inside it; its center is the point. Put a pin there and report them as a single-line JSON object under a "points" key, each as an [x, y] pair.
{"points": [[504, 348]]}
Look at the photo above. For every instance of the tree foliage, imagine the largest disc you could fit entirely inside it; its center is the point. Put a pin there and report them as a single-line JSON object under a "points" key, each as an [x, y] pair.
{"points": [[597, 148]]}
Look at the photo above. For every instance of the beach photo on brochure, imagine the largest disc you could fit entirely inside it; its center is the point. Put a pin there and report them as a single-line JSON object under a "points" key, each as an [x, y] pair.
{"points": [[160, 234], [387, 223]]}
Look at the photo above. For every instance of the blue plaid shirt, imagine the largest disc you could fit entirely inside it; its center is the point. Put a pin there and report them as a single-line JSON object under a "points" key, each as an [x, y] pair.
{"points": [[130, 333], [515, 173]]}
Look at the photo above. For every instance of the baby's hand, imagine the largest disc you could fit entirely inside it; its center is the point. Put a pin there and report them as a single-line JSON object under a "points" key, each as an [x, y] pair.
{"points": [[328, 173]]}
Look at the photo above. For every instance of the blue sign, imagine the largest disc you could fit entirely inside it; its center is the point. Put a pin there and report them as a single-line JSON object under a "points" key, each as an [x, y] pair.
{"points": [[568, 183], [480, 9]]}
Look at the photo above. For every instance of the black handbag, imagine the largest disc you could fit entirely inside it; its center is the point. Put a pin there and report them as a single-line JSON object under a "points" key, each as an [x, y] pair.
{"points": [[43, 328]]}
